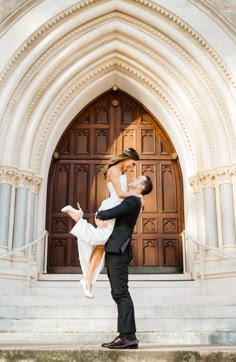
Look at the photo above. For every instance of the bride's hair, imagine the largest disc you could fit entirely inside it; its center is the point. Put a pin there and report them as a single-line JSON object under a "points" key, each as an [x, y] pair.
{"points": [[128, 153]]}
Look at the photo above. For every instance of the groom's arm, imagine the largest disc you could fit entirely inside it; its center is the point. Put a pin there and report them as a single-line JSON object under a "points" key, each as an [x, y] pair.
{"points": [[89, 234], [125, 208]]}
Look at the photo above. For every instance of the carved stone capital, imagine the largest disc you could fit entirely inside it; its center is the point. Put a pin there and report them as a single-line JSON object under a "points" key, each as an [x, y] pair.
{"points": [[214, 177], [223, 176], [37, 181], [207, 179], [194, 182], [8, 175], [25, 179], [20, 178]]}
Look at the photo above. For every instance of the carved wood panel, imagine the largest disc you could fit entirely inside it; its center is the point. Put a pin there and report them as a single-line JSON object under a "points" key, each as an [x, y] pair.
{"points": [[108, 125]]}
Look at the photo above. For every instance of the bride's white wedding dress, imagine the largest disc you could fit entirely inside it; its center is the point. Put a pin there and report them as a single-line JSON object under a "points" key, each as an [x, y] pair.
{"points": [[89, 236]]}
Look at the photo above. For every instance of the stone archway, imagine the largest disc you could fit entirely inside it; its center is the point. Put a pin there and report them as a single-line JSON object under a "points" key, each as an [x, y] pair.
{"points": [[109, 124], [179, 71]]}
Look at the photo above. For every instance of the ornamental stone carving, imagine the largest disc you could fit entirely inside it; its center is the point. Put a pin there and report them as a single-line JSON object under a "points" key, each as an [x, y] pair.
{"points": [[20, 178], [64, 15], [207, 179], [194, 182], [223, 176], [8, 175], [212, 178], [24, 179], [36, 183]]}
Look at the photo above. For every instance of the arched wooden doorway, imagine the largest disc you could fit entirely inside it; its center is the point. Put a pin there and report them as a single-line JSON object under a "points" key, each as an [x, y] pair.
{"points": [[111, 123]]}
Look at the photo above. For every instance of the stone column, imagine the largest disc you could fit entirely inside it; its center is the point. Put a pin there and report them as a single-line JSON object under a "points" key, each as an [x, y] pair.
{"points": [[7, 184], [219, 195], [198, 202], [208, 185], [23, 184], [32, 207], [227, 212]]}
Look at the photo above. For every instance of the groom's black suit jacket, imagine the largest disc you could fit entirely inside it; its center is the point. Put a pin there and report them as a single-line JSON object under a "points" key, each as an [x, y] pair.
{"points": [[126, 215]]}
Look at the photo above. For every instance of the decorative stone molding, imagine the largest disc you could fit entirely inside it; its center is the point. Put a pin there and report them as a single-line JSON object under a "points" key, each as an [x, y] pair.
{"points": [[194, 182], [83, 82], [148, 5], [20, 178], [119, 65], [48, 27], [207, 180], [211, 178], [79, 31], [24, 179], [223, 13], [94, 73], [8, 175], [36, 183], [224, 176], [12, 10]]}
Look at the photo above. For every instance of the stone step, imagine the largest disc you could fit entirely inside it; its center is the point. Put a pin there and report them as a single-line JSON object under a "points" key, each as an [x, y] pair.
{"points": [[86, 312], [75, 301], [104, 324], [104, 284], [146, 352], [170, 312], [103, 276], [170, 338], [105, 292], [102, 288]]}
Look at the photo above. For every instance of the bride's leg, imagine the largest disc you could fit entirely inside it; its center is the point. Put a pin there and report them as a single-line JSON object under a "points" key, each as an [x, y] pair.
{"points": [[94, 261], [73, 215]]}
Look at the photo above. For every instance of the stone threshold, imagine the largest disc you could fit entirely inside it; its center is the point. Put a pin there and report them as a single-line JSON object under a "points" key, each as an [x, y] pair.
{"points": [[146, 352], [103, 277]]}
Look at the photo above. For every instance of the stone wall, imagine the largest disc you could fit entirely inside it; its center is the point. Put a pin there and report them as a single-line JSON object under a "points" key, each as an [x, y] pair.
{"points": [[8, 7], [226, 8]]}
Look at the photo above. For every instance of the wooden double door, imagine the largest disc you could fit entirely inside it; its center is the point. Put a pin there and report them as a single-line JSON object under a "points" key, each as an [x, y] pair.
{"points": [[111, 123]]}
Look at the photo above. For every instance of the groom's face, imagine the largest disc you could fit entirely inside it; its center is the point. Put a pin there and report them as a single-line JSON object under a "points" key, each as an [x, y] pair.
{"points": [[137, 183]]}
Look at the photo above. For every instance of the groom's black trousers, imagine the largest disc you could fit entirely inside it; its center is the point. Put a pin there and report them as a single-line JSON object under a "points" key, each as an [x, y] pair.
{"points": [[117, 270]]}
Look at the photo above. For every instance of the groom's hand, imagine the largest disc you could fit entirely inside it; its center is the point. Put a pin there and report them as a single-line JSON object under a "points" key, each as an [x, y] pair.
{"points": [[101, 223]]}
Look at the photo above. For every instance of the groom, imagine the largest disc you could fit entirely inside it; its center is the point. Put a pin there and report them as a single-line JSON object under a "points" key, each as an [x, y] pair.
{"points": [[118, 255]]}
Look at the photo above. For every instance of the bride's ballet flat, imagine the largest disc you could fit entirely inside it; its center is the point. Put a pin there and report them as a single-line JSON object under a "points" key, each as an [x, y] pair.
{"points": [[87, 293], [69, 208]]}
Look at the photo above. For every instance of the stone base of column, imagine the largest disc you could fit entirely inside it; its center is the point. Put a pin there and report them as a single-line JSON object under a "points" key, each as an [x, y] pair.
{"points": [[219, 275], [11, 286], [6, 262], [221, 286], [230, 250], [14, 276]]}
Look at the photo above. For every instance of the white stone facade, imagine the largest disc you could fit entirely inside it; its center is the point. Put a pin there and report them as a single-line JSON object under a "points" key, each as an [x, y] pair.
{"points": [[177, 58]]}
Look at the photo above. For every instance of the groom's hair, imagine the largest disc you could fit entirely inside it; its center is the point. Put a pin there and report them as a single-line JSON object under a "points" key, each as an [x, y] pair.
{"points": [[147, 183]]}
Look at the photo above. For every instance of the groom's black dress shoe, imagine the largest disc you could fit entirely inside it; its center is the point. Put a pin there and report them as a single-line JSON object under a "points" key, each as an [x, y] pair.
{"points": [[106, 344], [122, 343]]}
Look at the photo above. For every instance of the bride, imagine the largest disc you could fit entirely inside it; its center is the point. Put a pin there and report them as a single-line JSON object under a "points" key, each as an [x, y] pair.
{"points": [[91, 240]]}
